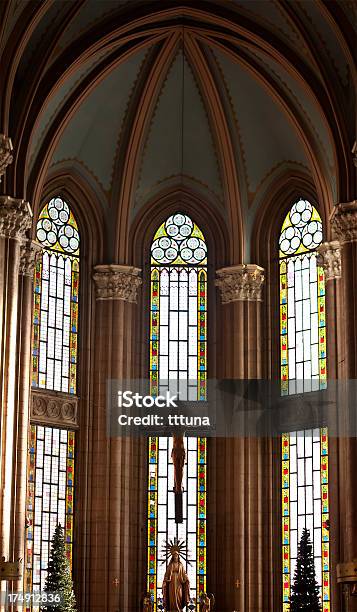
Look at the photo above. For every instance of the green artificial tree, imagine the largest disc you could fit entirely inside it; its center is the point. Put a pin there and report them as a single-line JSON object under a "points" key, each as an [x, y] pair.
{"points": [[59, 579], [305, 593]]}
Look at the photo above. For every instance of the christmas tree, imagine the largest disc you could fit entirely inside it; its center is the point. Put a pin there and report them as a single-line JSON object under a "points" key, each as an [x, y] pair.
{"points": [[59, 578], [305, 595]]}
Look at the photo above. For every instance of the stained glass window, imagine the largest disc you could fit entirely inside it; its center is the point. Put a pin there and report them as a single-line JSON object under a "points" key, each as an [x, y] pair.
{"points": [[54, 367], [303, 369], [49, 498], [56, 285], [178, 352]]}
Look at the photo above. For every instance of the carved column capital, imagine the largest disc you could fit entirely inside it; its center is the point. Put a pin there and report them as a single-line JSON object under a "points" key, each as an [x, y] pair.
{"points": [[29, 251], [329, 258], [5, 153], [241, 282], [344, 221], [116, 282], [15, 217]]}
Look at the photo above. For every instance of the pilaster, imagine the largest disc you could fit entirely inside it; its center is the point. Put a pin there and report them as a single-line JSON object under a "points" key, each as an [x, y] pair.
{"points": [[118, 464], [29, 251], [242, 463], [15, 221], [344, 225]]}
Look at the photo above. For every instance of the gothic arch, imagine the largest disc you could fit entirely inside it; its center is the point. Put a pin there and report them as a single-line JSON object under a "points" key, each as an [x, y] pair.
{"points": [[202, 212], [81, 198], [266, 230], [142, 231], [319, 171], [153, 27], [40, 168], [86, 204]]}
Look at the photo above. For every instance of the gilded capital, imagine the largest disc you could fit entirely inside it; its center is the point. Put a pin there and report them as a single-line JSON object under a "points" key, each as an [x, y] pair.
{"points": [[116, 282], [5, 153], [29, 251], [242, 282], [15, 217], [344, 221], [329, 258]]}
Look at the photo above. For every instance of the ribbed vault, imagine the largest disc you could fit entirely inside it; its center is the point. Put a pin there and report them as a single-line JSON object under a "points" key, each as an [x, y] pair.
{"points": [[110, 86]]}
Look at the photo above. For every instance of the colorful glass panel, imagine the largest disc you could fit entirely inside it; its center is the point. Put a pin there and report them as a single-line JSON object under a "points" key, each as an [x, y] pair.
{"points": [[178, 352], [56, 297], [303, 368], [50, 498]]}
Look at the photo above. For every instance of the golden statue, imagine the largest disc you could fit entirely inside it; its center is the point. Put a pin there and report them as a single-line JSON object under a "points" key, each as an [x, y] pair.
{"points": [[176, 585], [147, 603], [206, 603], [178, 455]]}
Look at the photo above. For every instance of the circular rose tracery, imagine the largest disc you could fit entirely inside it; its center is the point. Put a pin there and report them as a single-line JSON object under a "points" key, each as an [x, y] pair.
{"points": [[56, 228], [303, 230], [179, 242]]}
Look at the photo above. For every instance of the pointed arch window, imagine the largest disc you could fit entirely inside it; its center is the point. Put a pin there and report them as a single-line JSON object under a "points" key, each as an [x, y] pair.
{"points": [[56, 294], [178, 352], [303, 368], [51, 461]]}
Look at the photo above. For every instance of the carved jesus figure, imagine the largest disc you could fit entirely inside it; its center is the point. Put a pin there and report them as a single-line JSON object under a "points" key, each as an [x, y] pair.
{"points": [[176, 586], [178, 455]]}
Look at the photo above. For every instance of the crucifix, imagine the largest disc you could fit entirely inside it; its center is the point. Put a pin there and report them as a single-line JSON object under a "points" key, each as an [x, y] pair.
{"points": [[178, 455]]}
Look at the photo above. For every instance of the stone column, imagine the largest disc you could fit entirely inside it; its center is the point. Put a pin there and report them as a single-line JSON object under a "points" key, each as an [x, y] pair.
{"points": [[15, 221], [241, 473], [344, 224], [28, 252], [118, 492]]}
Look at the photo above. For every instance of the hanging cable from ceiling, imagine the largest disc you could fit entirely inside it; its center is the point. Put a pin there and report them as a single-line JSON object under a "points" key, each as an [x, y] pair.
{"points": [[182, 101]]}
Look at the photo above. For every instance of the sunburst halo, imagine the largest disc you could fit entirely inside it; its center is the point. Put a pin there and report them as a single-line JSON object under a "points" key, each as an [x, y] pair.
{"points": [[170, 547]]}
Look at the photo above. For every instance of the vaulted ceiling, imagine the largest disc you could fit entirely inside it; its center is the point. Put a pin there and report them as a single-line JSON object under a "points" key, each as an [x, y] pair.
{"points": [[220, 97]]}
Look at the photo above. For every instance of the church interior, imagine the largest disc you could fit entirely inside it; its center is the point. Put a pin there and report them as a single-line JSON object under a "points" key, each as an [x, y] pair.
{"points": [[178, 202]]}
